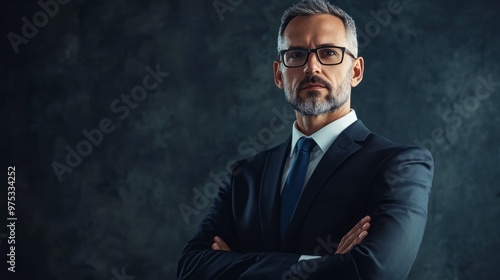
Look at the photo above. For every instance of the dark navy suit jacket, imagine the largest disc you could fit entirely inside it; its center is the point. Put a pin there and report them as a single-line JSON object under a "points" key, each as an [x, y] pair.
{"points": [[361, 174]]}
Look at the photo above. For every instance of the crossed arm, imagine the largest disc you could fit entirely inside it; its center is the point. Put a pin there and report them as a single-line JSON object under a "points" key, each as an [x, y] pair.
{"points": [[397, 222], [352, 238]]}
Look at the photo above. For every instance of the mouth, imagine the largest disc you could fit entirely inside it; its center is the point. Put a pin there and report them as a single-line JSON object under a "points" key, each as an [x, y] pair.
{"points": [[313, 86]]}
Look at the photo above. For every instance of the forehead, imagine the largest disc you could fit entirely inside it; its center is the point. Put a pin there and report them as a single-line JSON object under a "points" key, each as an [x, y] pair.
{"points": [[310, 31]]}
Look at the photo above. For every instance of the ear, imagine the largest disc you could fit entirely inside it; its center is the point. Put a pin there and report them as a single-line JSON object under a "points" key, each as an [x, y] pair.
{"points": [[358, 68], [278, 76]]}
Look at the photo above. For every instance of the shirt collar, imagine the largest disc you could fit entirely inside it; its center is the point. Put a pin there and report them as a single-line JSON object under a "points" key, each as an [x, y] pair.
{"points": [[325, 137]]}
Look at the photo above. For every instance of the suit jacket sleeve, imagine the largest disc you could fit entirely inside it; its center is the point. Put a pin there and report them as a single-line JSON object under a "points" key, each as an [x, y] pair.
{"points": [[398, 207], [200, 262]]}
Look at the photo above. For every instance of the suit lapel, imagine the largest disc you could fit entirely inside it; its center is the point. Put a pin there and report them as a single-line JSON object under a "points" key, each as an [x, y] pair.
{"points": [[345, 145], [269, 199]]}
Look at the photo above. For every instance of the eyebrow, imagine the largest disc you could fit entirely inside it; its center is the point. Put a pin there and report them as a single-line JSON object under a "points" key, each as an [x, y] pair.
{"points": [[319, 46]]}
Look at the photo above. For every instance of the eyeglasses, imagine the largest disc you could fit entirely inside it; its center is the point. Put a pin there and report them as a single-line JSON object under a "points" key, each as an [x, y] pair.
{"points": [[331, 55]]}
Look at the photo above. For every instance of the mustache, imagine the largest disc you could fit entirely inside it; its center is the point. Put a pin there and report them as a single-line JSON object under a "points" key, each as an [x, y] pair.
{"points": [[314, 80]]}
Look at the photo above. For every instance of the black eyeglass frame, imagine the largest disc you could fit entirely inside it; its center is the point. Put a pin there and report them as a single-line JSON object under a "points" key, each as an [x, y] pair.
{"points": [[309, 51]]}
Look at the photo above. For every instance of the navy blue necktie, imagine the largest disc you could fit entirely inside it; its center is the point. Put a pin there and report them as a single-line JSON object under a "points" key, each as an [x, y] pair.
{"points": [[295, 182]]}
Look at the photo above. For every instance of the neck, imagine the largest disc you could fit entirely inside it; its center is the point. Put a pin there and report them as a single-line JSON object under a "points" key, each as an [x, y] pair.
{"points": [[308, 125]]}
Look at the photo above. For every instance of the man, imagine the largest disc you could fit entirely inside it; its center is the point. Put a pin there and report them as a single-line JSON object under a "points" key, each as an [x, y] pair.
{"points": [[282, 213]]}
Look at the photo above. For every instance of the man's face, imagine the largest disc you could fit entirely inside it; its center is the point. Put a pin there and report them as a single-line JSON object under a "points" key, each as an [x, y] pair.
{"points": [[314, 88]]}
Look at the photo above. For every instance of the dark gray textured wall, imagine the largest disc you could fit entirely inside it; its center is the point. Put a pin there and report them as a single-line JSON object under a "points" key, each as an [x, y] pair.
{"points": [[119, 207]]}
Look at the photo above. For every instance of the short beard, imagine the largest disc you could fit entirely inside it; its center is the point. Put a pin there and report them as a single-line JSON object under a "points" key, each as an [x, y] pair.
{"points": [[312, 106]]}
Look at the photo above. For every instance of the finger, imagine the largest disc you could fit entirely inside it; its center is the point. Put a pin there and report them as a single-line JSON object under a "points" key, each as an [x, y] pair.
{"points": [[348, 246], [353, 234], [216, 247], [361, 236], [366, 227], [366, 219], [356, 237], [341, 246], [358, 240], [349, 238], [221, 243]]}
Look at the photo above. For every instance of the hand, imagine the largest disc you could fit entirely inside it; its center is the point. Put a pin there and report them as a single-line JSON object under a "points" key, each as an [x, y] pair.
{"points": [[219, 244], [354, 236]]}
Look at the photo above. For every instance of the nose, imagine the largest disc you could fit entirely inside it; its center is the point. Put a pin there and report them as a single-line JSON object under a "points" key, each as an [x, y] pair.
{"points": [[312, 66]]}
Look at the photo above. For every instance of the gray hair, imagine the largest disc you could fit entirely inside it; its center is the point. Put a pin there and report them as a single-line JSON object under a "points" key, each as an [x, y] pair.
{"points": [[316, 7]]}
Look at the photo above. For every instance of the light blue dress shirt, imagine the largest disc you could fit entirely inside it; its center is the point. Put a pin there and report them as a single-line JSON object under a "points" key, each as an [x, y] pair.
{"points": [[324, 138]]}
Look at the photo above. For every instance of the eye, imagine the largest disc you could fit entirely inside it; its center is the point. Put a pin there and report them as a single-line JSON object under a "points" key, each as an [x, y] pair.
{"points": [[328, 52], [294, 54]]}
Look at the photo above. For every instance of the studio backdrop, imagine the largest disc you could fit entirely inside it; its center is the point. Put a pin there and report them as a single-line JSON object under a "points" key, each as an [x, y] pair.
{"points": [[120, 118]]}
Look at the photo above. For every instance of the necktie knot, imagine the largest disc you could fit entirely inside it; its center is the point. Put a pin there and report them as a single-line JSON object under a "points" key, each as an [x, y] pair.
{"points": [[306, 144]]}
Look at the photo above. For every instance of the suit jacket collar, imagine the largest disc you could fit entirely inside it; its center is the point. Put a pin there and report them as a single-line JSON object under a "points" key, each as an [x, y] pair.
{"points": [[347, 143], [325, 136]]}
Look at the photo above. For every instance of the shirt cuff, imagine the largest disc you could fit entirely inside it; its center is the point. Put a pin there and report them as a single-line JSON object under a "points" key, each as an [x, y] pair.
{"points": [[308, 257]]}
